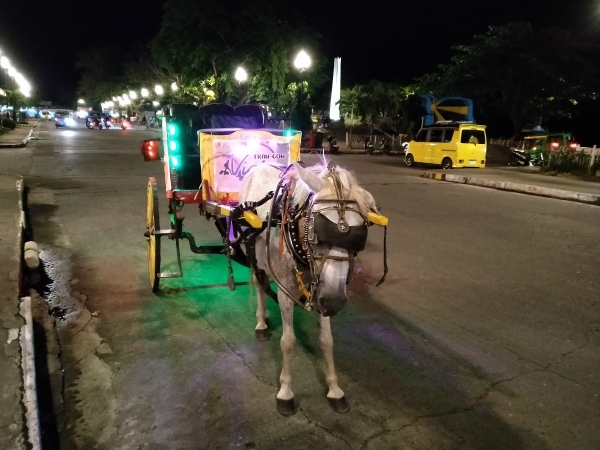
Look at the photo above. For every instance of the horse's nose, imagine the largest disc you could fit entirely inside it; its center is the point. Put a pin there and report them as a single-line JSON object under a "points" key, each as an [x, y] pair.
{"points": [[331, 305]]}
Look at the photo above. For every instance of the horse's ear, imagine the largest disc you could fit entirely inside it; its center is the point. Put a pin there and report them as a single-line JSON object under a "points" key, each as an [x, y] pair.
{"points": [[315, 183]]}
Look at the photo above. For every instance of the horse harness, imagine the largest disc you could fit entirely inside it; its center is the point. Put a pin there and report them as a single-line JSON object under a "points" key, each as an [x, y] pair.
{"points": [[301, 228], [304, 226]]}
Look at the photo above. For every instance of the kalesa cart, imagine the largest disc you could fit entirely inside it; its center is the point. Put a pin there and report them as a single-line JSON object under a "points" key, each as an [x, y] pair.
{"points": [[206, 153]]}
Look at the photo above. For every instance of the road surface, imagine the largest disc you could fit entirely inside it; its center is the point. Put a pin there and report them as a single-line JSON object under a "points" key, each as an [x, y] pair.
{"points": [[485, 334]]}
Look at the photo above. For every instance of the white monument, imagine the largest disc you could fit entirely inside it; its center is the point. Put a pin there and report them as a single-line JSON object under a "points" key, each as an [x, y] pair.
{"points": [[334, 109]]}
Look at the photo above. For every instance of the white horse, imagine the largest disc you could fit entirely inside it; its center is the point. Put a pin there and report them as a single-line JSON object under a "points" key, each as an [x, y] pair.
{"points": [[316, 185]]}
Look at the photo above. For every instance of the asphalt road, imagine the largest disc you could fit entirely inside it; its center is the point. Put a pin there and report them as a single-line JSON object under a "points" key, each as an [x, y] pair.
{"points": [[485, 335]]}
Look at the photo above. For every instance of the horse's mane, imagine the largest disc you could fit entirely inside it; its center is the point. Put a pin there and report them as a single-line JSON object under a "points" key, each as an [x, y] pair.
{"points": [[351, 188]]}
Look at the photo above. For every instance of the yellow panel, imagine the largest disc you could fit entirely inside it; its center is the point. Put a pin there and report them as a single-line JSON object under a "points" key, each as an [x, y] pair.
{"points": [[457, 109], [438, 110], [206, 142]]}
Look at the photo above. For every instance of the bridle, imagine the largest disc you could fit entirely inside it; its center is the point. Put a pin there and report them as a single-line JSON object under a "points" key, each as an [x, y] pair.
{"points": [[303, 227]]}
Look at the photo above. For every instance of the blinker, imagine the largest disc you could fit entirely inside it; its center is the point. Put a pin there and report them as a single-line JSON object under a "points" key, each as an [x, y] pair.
{"points": [[353, 239]]}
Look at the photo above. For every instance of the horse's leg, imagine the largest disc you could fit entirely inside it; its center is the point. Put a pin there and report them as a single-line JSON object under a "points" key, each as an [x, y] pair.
{"points": [[285, 396], [335, 396], [261, 332]]}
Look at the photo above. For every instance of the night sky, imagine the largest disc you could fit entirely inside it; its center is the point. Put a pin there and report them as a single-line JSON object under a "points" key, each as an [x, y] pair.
{"points": [[388, 40]]}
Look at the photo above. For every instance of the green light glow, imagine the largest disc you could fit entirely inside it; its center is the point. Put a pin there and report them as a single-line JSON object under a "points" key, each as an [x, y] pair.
{"points": [[174, 161], [172, 130], [173, 146]]}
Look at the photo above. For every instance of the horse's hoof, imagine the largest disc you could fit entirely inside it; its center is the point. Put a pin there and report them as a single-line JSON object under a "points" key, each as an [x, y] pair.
{"points": [[286, 407], [339, 405], [262, 335]]}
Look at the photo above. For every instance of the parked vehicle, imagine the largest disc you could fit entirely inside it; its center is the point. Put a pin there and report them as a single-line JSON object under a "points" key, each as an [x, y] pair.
{"points": [[449, 144], [385, 147], [532, 149], [368, 145], [334, 148]]}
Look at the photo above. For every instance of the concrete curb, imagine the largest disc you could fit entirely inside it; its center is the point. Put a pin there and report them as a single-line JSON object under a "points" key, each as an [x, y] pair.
{"points": [[27, 344], [34, 124], [529, 189], [22, 144], [29, 377]]}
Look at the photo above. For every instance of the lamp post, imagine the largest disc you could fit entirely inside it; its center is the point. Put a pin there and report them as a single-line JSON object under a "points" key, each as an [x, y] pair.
{"points": [[302, 62], [4, 63], [11, 72], [159, 89], [241, 76]]}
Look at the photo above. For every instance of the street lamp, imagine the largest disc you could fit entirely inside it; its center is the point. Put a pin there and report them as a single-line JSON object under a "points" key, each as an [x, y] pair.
{"points": [[302, 62], [241, 75], [174, 87], [145, 92], [159, 89], [82, 101], [4, 62], [132, 95]]}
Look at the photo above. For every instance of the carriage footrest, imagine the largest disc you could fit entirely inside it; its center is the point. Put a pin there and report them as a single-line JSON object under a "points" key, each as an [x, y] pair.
{"points": [[163, 232], [170, 275]]}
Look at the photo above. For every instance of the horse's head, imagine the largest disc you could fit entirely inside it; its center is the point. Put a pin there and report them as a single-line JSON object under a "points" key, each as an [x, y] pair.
{"points": [[337, 230]]}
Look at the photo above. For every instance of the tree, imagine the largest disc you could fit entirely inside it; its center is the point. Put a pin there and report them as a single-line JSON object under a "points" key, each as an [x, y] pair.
{"points": [[204, 49], [350, 102], [376, 103], [516, 71]]}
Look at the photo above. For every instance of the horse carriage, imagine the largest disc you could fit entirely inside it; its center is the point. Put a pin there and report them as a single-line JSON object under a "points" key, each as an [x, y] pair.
{"points": [[301, 227]]}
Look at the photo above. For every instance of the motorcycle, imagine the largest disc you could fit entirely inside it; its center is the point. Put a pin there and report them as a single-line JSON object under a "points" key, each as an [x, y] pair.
{"points": [[334, 148], [385, 147], [369, 146], [522, 158], [94, 123]]}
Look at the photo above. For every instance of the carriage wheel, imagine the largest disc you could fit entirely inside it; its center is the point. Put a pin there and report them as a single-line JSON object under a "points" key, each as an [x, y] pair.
{"points": [[152, 225]]}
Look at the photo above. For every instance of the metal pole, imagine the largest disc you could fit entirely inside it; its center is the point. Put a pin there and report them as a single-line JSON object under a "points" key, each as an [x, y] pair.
{"points": [[301, 106], [5, 96]]}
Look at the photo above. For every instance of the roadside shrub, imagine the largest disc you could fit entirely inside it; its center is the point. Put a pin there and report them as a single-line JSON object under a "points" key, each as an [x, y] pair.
{"points": [[563, 160], [9, 123]]}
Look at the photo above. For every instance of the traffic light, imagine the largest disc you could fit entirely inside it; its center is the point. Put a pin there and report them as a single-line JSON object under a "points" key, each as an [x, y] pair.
{"points": [[174, 144], [289, 133]]}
